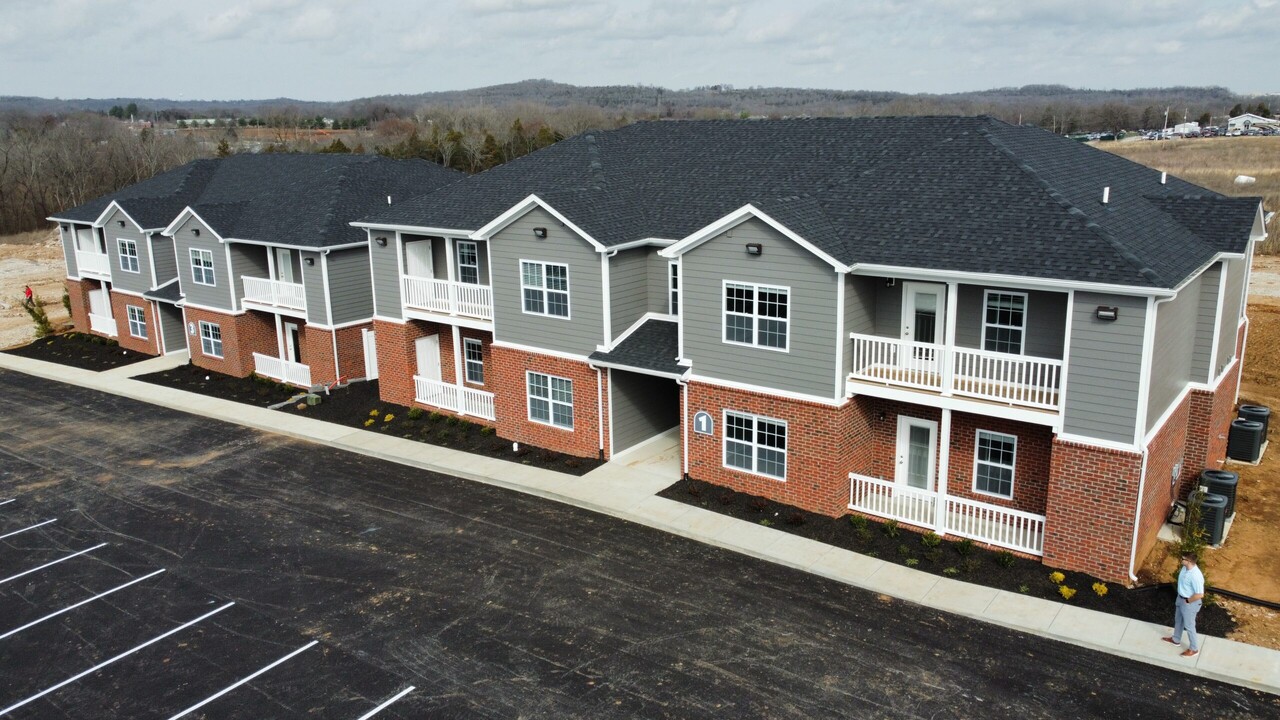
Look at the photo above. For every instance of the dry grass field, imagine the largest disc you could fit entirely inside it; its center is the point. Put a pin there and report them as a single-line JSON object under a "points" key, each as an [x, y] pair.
{"points": [[1214, 163]]}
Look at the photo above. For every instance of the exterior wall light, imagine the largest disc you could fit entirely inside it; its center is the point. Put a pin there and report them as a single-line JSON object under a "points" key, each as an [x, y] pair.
{"points": [[540, 233], [1107, 314], [195, 232], [120, 223], [382, 242], [309, 261], [754, 249]]}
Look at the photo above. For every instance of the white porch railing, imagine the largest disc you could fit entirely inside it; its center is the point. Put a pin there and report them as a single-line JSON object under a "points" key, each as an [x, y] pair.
{"points": [[449, 298], [285, 371], [102, 324], [984, 522], [275, 293], [459, 399], [93, 263], [1013, 379]]}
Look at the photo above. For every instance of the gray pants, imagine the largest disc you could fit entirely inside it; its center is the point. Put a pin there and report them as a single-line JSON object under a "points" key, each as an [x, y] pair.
{"points": [[1184, 617]]}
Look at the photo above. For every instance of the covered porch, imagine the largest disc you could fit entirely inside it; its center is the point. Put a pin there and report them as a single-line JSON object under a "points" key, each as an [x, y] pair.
{"points": [[446, 278]]}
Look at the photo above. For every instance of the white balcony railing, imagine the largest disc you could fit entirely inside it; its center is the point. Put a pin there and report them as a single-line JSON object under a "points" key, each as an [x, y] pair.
{"points": [[102, 324], [984, 522], [286, 371], [459, 399], [93, 263], [448, 298], [1012, 379], [275, 293]]}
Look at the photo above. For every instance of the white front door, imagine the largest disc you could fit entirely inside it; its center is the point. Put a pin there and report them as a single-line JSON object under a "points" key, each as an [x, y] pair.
{"points": [[428, 351], [370, 354], [917, 455], [284, 265], [417, 259], [923, 322], [100, 303], [291, 342]]}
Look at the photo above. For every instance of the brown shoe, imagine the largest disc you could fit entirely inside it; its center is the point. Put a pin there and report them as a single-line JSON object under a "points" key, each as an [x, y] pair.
{"points": [[1190, 653], [1170, 641]]}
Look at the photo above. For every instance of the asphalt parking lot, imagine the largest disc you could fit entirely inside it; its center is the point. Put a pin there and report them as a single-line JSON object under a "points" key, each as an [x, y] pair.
{"points": [[270, 578]]}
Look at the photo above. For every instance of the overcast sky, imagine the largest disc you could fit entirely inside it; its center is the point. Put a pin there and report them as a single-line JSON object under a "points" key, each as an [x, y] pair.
{"points": [[330, 50]]}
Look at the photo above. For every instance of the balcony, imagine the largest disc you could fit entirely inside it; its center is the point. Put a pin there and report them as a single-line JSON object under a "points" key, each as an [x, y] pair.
{"points": [[983, 522], [286, 371], [93, 264], [102, 324], [445, 297], [455, 398], [1018, 380], [274, 294]]}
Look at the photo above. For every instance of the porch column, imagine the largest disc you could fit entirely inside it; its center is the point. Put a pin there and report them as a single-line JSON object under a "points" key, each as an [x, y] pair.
{"points": [[944, 468], [457, 359], [949, 341]]}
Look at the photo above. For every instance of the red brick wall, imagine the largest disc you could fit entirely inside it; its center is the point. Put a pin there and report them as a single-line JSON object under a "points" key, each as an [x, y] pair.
{"points": [[507, 371], [150, 346], [397, 361], [242, 335], [1031, 465], [1166, 449], [1092, 497], [486, 352], [317, 352], [78, 290]]}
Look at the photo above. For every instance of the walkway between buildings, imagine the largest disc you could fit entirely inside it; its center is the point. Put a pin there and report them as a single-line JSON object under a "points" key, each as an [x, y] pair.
{"points": [[627, 490]]}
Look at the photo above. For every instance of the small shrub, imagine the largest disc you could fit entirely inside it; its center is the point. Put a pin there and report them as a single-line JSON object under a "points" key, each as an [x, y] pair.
{"points": [[857, 521], [912, 562], [795, 518], [930, 540], [435, 416], [44, 328], [1066, 592], [951, 571], [374, 413], [766, 522], [66, 302], [1193, 539], [864, 534], [964, 547], [486, 430], [415, 413], [873, 553], [443, 435], [1100, 589], [758, 504], [368, 422], [890, 528], [1056, 577], [388, 418], [1004, 559], [904, 550], [933, 555], [969, 564], [453, 420], [1024, 589], [524, 450]]}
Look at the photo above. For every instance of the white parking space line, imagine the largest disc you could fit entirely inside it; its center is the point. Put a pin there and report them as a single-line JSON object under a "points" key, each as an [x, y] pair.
{"points": [[6, 502], [51, 564], [238, 683], [86, 601], [384, 705], [31, 527], [105, 663]]}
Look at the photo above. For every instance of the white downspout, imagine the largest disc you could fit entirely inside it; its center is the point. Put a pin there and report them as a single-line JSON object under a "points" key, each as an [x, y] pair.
{"points": [[684, 421], [599, 406], [324, 272]]}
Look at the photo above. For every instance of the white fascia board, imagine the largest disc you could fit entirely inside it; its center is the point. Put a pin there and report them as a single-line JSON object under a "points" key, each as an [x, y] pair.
{"points": [[113, 205], [187, 212], [643, 242], [412, 229], [737, 217], [303, 248], [524, 206], [640, 371], [899, 271]]}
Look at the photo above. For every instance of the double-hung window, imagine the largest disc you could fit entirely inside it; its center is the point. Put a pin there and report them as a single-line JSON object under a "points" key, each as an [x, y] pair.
{"points": [[468, 263], [994, 460], [211, 339], [1005, 322], [756, 315], [202, 267], [545, 288], [473, 352], [755, 444], [550, 400], [128, 255], [673, 288], [137, 321]]}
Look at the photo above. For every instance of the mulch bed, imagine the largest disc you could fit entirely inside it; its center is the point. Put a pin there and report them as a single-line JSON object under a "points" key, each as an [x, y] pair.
{"points": [[358, 405], [251, 390], [955, 558], [82, 350]]}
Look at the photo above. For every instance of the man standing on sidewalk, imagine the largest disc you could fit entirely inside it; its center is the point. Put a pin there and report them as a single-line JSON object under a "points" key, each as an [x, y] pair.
{"points": [[1190, 593]]}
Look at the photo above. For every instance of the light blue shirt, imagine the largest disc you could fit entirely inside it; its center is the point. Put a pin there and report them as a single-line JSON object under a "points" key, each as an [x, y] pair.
{"points": [[1190, 582]]}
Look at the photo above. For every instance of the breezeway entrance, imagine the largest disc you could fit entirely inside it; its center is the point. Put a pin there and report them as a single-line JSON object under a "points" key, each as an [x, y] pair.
{"points": [[641, 407]]}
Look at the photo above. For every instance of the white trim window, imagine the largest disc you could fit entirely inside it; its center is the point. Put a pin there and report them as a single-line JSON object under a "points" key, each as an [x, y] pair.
{"points": [[128, 255], [550, 400], [1005, 321], [994, 459], [137, 321], [210, 339], [673, 288], [202, 267], [473, 354], [545, 288], [755, 444], [756, 315], [468, 263]]}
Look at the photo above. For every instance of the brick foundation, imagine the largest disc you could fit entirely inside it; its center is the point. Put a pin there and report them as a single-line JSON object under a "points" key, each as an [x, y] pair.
{"points": [[398, 363], [1089, 512], [508, 369], [242, 336], [119, 303], [78, 291]]}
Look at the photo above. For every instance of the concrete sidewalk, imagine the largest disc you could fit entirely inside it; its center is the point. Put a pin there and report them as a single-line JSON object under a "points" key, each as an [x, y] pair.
{"points": [[629, 493]]}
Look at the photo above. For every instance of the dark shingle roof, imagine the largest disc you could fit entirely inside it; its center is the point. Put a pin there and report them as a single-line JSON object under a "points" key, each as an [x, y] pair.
{"points": [[949, 193], [653, 346], [168, 292]]}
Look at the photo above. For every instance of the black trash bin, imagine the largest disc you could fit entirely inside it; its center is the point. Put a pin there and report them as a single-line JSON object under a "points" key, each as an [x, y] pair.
{"points": [[1213, 517], [1222, 482], [1260, 413]]}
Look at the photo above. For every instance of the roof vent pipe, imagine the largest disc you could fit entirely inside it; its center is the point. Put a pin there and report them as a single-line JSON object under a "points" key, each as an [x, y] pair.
{"points": [[388, 199], [1106, 195], [1164, 178]]}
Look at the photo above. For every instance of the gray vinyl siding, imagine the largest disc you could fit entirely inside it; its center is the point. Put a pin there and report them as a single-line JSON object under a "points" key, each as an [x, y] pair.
{"points": [[1175, 336], [1206, 321], [247, 260], [642, 406], [386, 275], [628, 288], [349, 291], [171, 327], [218, 295], [659, 285], [69, 249], [859, 311], [313, 287], [580, 334], [1046, 320], [439, 257], [888, 309], [1232, 298], [162, 255], [809, 365], [1105, 368], [140, 281]]}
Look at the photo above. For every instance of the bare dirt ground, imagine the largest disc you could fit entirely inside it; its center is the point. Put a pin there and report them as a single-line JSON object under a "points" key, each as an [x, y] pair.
{"points": [[33, 258]]}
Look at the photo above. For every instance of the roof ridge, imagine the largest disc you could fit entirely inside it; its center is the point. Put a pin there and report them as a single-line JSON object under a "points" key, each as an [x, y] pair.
{"points": [[1072, 209]]}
